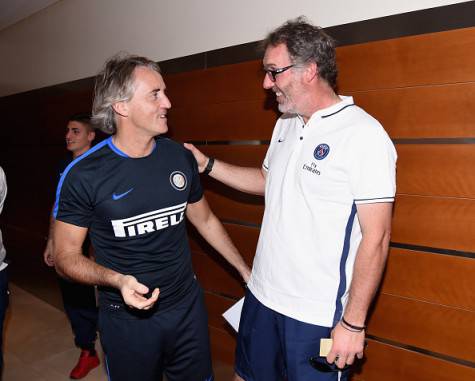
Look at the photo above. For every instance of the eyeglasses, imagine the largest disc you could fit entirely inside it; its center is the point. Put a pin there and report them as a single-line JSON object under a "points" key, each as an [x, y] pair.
{"points": [[273, 73], [321, 364]]}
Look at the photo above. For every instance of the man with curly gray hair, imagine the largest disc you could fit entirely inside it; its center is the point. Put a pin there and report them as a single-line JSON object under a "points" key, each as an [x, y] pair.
{"points": [[132, 193], [329, 183]]}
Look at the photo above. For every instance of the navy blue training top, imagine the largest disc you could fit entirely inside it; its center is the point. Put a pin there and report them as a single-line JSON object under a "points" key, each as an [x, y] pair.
{"points": [[134, 209]]}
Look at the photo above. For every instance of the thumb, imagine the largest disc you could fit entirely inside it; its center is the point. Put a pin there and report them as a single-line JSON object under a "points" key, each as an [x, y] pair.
{"points": [[140, 288], [189, 146]]}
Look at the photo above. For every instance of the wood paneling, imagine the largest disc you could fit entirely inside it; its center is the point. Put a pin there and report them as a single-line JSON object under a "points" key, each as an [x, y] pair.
{"points": [[233, 205], [244, 155], [436, 170], [244, 237], [433, 327], [216, 275], [243, 120], [223, 84], [429, 277], [216, 306], [447, 223], [434, 58], [385, 362], [223, 344], [441, 111]]}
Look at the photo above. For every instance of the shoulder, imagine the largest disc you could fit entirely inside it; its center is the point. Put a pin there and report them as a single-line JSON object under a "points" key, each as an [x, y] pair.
{"points": [[172, 148], [89, 163]]}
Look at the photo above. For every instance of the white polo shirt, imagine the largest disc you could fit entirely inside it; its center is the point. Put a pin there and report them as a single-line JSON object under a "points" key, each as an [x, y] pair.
{"points": [[316, 175]]}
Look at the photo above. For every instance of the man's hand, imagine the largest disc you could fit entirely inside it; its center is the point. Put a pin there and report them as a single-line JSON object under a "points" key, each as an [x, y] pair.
{"points": [[346, 345], [48, 253], [133, 293], [200, 157]]}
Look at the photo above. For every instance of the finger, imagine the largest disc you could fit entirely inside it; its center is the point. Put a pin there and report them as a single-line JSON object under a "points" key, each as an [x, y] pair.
{"points": [[155, 294], [350, 359], [331, 357], [341, 361]]}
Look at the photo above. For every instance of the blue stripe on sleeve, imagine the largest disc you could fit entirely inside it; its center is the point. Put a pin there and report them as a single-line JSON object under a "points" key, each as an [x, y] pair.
{"points": [[68, 168]]}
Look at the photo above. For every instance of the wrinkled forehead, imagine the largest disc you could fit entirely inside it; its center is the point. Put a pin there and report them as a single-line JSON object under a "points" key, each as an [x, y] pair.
{"points": [[147, 79], [276, 56]]}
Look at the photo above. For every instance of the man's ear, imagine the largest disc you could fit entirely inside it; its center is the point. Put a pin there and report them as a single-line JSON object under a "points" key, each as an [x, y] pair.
{"points": [[311, 72], [91, 136], [121, 108]]}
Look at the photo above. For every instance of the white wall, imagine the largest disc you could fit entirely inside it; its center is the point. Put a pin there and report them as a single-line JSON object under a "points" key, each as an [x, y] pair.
{"points": [[72, 38]]}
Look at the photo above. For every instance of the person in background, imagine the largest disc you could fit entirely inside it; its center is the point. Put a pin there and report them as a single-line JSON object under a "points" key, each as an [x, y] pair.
{"points": [[329, 184], [79, 300], [3, 270]]}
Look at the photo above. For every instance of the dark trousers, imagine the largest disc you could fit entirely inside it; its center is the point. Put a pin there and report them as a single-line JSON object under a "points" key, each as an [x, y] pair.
{"points": [[143, 345], [3, 309], [80, 306]]}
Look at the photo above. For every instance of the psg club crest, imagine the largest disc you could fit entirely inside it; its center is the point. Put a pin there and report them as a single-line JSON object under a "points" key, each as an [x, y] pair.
{"points": [[322, 151], [178, 180]]}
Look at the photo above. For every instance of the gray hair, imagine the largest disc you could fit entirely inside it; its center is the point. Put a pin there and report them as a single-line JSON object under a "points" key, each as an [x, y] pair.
{"points": [[307, 43], [115, 83]]}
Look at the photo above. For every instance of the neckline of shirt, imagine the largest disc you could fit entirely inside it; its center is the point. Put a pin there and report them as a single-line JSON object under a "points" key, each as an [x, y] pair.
{"points": [[121, 153]]}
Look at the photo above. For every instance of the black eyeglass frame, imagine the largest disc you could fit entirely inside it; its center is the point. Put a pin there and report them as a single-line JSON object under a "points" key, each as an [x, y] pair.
{"points": [[273, 73]]}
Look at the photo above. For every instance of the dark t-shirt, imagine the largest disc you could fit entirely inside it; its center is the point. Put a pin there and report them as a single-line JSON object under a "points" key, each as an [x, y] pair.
{"points": [[134, 209]]}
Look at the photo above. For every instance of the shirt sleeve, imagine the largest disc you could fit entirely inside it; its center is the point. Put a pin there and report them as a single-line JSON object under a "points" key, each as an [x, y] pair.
{"points": [[373, 166], [196, 190], [74, 199], [3, 188]]}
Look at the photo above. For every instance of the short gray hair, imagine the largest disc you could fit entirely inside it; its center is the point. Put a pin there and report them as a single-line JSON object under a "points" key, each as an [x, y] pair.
{"points": [[115, 83], [307, 43]]}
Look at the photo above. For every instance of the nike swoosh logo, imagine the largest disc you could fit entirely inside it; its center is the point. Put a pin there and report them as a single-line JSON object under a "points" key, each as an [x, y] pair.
{"points": [[280, 140], [116, 197]]}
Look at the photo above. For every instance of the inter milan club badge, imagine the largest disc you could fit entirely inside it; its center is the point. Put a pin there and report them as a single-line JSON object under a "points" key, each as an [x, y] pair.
{"points": [[322, 151], [178, 180]]}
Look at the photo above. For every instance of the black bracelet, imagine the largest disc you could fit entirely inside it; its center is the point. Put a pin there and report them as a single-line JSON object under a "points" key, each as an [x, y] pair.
{"points": [[209, 166], [356, 328]]}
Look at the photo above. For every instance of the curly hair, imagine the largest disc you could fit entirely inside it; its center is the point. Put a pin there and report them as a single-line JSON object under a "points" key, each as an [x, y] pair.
{"points": [[115, 83], [307, 43]]}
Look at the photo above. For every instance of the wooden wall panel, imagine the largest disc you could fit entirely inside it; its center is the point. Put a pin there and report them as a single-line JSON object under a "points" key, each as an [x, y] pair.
{"points": [[436, 170], [235, 206], [223, 84], [442, 279], [244, 155], [223, 344], [440, 111], [244, 237], [216, 306], [215, 275], [385, 362], [243, 120], [433, 327], [447, 223], [434, 58]]}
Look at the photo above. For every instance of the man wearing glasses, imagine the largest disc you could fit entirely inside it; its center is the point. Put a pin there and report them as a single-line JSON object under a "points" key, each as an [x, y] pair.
{"points": [[329, 184]]}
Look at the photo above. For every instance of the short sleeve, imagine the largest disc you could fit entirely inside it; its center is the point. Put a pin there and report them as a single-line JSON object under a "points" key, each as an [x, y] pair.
{"points": [[196, 190], [74, 199], [372, 166], [3, 188]]}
